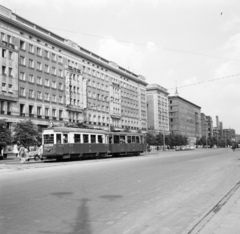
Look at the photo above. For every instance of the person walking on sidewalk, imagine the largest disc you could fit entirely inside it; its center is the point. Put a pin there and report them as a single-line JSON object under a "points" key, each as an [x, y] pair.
{"points": [[23, 153]]}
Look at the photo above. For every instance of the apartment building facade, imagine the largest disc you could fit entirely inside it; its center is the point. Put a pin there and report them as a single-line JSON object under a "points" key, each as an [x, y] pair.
{"points": [[204, 125], [185, 118], [229, 134], [209, 123], [53, 80], [158, 116]]}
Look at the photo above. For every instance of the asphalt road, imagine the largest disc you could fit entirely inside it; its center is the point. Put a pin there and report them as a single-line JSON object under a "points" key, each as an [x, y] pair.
{"points": [[155, 193]]}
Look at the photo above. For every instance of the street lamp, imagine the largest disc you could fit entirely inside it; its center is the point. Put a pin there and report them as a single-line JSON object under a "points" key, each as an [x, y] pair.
{"points": [[163, 140]]}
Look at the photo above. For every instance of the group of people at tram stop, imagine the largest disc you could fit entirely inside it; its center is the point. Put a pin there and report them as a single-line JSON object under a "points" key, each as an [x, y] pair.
{"points": [[23, 153]]}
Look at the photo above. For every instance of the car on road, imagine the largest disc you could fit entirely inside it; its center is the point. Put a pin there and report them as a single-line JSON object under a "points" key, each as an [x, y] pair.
{"points": [[33, 153]]}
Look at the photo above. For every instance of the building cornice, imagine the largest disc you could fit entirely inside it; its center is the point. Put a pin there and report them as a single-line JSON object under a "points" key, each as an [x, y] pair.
{"points": [[177, 97], [83, 53]]}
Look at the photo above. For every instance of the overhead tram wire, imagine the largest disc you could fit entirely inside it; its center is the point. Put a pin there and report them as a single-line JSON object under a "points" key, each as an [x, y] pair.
{"points": [[144, 44], [206, 81]]}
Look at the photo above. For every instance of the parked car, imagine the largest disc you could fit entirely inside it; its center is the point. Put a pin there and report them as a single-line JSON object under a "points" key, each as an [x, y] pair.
{"points": [[34, 153], [177, 148]]}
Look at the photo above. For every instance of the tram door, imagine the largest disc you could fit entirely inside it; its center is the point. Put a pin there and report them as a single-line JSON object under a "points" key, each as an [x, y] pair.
{"points": [[59, 145], [65, 144]]}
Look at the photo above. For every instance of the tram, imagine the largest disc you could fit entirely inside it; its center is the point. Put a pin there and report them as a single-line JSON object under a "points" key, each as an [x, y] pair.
{"points": [[64, 142]]}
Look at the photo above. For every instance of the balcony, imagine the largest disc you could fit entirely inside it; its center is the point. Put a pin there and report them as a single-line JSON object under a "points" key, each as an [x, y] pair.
{"points": [[54, 118], [22, 114], [8, 45], [9, 113], [31, 115], [46, 117], [2, 112], [61, 119], [39, 116]]}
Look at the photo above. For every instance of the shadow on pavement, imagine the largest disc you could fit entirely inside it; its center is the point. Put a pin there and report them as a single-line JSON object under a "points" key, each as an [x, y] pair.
{"points": [[82, 221]]}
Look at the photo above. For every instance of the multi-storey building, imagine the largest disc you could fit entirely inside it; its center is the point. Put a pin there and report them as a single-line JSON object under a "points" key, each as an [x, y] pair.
{"points": [[204, 125], [237, 137], [185, 117], [50, 79], [209, 123], [229, 134], [157, 115], [218, 130]]}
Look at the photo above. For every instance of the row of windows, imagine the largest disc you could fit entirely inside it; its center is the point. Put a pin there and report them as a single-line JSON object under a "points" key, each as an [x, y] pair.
{"points": [[7, 88], [40, 111], [97, 85], [97, 107], [7, 54], [31, 64], [39, 80], [98, 96], [40, 52], [95, 73], [129, 104], [6, 38], [39, 96], [7, 71]]}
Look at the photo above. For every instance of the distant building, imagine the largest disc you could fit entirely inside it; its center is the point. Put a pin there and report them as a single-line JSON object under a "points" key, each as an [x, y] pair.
{"points": [[237, 137], [157, 112], [218, 130], [204, 125], [209, 123], [185, 117], [229, 134]]}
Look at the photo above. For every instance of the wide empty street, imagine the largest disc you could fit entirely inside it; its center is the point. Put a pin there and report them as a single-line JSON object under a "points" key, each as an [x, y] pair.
{"points": [[165, 192]]}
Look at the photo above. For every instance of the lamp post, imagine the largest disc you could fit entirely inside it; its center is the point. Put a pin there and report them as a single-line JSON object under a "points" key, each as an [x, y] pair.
{"points": [[163, 140]]}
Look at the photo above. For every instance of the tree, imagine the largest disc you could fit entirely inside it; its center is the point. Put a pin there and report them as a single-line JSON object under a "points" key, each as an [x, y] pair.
{"points": [[150, 139], [26, 133], [5, 134], [159, 139]]}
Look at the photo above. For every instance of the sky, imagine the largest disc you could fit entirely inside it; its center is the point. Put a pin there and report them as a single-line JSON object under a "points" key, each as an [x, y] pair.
{"points": [[193, 45]]}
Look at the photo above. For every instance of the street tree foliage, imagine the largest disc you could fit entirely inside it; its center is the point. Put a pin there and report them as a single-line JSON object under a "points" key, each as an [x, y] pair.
{"points": [[5, 134], [171, 139], [150, 139], [26, 133], [211, 141]]}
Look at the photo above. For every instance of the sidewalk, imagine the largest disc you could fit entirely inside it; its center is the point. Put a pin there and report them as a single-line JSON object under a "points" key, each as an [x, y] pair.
{"points": [[224, 218]]}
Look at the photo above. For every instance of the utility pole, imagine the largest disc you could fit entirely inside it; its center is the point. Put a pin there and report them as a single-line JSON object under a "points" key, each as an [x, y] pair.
{"points": [[163, 141]]}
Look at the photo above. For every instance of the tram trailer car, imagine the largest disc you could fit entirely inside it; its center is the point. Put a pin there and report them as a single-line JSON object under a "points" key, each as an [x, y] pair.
{"points": [[63, 142]]}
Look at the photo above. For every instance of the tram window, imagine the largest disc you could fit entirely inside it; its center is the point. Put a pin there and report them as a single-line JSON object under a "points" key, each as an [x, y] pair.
{"points": [[59, 138], [122, 139], [100, 139], [133, 139], [110, 140], [85, 138], [93, 138], [65, 138], [129, 139], [77, 138], [48, 138], [137, 139], [116, 139]]}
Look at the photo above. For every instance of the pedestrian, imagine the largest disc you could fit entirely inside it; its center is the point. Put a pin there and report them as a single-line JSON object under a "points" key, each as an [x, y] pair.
{"points": [[148, 148], [40, 151], [22, 153], [233, 147]]}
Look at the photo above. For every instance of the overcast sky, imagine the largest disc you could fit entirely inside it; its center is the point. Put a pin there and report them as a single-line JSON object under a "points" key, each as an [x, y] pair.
{"points": [[170, 42]]}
